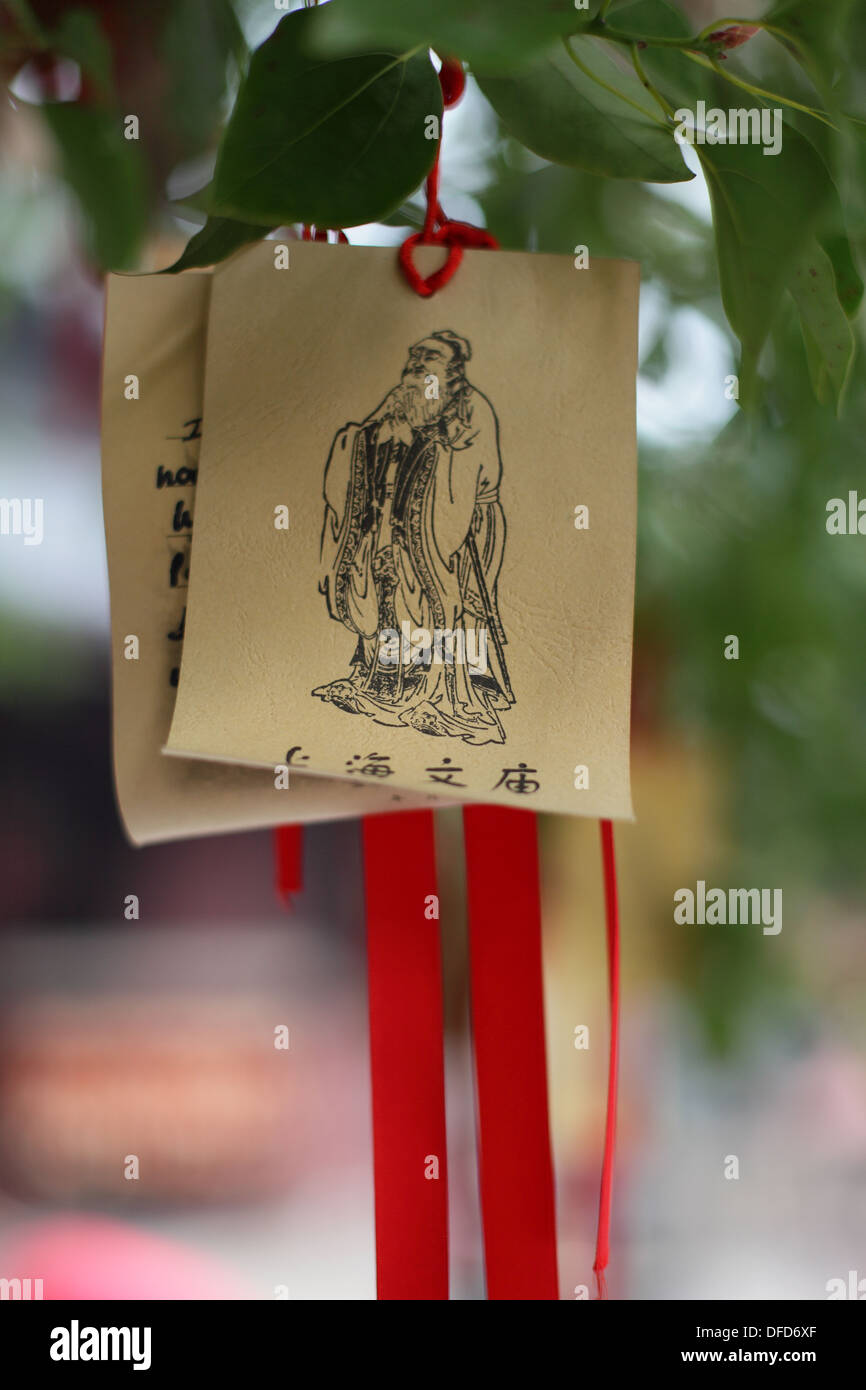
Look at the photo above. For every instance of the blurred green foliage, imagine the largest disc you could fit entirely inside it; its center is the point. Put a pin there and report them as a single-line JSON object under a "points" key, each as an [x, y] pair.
{"points": [[331, 124], [732, 535]]}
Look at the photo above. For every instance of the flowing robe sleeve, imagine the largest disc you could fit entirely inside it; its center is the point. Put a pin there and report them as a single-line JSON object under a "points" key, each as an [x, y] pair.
{"points": [[338, 471], [340, 485], [464, 471], [344, 547]]}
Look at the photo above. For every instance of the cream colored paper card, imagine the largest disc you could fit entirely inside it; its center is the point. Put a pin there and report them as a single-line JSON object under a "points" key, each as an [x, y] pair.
{"points": [[415, 529], [151, 433]]}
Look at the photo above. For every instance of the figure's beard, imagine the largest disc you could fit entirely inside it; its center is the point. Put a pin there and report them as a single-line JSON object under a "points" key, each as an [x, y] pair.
{"points": [[418, 407]]}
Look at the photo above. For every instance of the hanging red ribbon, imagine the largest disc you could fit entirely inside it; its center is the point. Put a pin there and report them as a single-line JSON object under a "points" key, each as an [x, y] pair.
{"points": [[611, 904], [406, 1056], [515, 1163], [288, 861]]}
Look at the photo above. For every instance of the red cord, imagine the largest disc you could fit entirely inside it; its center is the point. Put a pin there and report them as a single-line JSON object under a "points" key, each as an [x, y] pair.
{"points": [[439, 230], [452, 80], [611, 904]]}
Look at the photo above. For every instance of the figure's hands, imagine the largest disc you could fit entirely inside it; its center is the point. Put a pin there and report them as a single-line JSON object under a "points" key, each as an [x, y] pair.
{"points": [[395, 425]]}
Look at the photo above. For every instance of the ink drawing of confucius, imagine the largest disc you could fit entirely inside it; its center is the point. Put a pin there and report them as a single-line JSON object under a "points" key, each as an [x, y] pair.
{"points": [[412, 546]]}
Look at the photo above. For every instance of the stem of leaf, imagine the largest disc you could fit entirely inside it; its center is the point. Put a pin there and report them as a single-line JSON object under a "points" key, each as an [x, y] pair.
{"points": [[600, 82], [716, 67], [645, 82], [601, 31]]}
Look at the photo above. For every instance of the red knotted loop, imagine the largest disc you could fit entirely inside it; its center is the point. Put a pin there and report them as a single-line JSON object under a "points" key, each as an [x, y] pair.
{"points": [[464, 234], [452, 80], [454, 235], [440, 277]]}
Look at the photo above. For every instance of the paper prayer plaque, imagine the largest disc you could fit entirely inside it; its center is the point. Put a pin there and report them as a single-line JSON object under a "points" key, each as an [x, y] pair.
{"points": [[151, 432], [415, 525]]}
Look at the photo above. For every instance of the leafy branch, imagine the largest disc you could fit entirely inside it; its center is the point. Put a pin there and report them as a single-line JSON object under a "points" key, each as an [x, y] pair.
{"points": [[336, 123]]}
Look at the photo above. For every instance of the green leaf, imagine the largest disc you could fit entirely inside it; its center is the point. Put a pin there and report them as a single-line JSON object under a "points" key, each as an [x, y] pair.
{"points": [[228, 30], [198, 203], [106, 173], [826, 330], [587, 114], [814, 33], [681, 81], [490, 34], [765, 211], [649, 19], [334, 142], [199, 38], [218, 239], [405, 216], [849, 286]]}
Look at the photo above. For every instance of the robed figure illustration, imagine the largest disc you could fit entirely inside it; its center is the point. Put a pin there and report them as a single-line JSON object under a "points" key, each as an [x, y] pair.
{"points": [[412, 546]]}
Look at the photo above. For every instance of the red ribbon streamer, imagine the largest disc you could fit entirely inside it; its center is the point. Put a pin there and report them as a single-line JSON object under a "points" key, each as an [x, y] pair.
{"points": [[406, 1056], [516, 1168], [611, 904], [288, 860]]}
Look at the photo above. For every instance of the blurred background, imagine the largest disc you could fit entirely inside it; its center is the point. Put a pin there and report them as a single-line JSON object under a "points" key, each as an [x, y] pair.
{"points": [[154, 1037]]}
